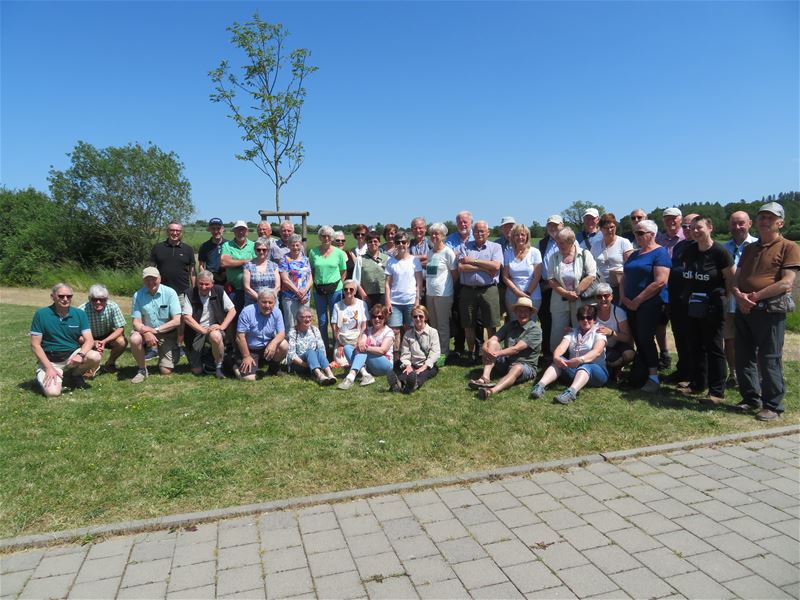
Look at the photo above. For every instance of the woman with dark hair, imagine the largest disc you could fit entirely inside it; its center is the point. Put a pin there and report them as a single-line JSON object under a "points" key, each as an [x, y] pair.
{"points": [[354, 255], [403, 287], [372, 280], [585, 348], [372, 355], [610, 252], [389, 233]]}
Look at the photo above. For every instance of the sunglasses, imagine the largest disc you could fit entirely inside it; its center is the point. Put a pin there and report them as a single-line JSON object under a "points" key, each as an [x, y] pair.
{"points": [[380, 317], [350, 290], [418, 317], [604, 296], [359, 235], [403, 242], [585, 318], [64, 296], [640, 233], [261, 250], [103, 300]]}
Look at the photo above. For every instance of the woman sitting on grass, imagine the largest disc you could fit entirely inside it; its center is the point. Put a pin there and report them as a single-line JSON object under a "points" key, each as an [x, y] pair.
{"points": [[612, 322], [372, 354], [587, 362], [419, 352], [307, 350]]}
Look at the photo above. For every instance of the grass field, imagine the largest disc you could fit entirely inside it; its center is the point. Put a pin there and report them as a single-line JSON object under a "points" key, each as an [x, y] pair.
{"points": [[121, 451]]}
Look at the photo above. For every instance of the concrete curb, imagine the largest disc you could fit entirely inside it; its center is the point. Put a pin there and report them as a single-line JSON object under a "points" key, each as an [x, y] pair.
{"points": [[185, 519]]}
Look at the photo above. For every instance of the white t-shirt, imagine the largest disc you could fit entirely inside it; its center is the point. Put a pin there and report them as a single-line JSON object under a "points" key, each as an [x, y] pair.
{"points": [[617, 316], [348, 318], [404, 284], [610, 257], [205, 317], [521, 270], [581, 344], [374, 340], [438, 276]]}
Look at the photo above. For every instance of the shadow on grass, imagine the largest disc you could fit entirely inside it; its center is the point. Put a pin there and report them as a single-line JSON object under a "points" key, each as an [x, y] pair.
{"points": [[669, 398]]}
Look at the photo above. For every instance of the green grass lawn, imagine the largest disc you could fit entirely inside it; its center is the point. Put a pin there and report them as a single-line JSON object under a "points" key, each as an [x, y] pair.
{"points": [[122, 451]]}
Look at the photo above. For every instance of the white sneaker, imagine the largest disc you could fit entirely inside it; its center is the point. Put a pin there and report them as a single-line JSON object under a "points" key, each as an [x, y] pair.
{"points": [[367, 379], [139, 377], [346, 384]]}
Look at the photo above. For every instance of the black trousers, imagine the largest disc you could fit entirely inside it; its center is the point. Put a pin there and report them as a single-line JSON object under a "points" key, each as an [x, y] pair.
{"points": [[707, 355], [683, 340]]}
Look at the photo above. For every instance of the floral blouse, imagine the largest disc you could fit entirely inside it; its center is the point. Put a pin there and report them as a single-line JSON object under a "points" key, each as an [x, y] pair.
{"points": [[300, 342], [299, 272]]}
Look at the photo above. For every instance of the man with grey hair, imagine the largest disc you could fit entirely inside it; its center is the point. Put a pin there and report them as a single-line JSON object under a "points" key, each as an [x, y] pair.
{"points": [[260, 335], [107, 324], [461, 235], [637, 215], [62, 343], [419, 245], [280, 247], [207, 313]]}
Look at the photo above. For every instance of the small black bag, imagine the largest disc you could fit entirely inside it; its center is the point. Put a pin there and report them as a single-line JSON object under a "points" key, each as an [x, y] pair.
{"points": [[698, 306], [780, 304], [326, 289]]}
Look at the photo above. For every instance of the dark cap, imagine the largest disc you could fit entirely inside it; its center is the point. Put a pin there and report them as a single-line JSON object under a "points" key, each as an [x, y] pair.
{"points": [[214, 222]]}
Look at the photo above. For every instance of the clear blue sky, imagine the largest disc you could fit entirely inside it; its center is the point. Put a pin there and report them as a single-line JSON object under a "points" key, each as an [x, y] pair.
{"points": [[426, 108]]}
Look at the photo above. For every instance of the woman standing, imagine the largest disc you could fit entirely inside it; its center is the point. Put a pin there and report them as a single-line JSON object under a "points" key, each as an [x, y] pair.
{"points": [[571, 271], [296, 280], [522, 270], [610, 252], [348, 321], [306, 350], [440, 272], [403, 287], [329, 267], [419, 352], [260, 273], [372, 355], [389, 234], [354, 255], [372, 282], [643, 293], [708, 275]]}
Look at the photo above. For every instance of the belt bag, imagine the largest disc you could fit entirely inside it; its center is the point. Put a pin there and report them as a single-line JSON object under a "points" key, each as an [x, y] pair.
{"points": [[779, 304], [58, 356], [698, 306], [326, 289]]}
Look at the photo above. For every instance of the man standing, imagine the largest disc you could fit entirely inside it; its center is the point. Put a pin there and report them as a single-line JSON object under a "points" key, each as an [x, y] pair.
{"points": [[548, 247], [591, 229], [174, 259], [479, 264], [637, 215], [419, 245], [264, 229], [280, 247], [672, 235], [506, 224], [210, 251], [56, 331], [207, 313], [461, 235], [107, 324], [156, 313], [762, 288], [739, 225], [678, 310], [260, 335], [235, 254]]}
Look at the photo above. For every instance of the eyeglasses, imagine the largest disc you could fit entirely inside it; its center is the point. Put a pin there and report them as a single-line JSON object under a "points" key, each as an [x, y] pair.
{"points": [[349, 290], [261, 250], [103, 300], [585, 318], [640, 233], [686, 226], [380, 317], [338, 241], [64, 296], [603, 296], [418, 317], [359, 235], [403, 242]]}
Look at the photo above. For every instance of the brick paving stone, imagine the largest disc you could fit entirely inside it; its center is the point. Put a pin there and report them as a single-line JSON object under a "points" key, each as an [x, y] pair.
{"points": [[461, 550], [754, 472], [602, 468], [277, 520], [386, 511], [621, 479], [458, 497], [432, 511], [603, 491], [790, 527], [582, 477], [246, 521], [585, 537], [500, 590], [367, 544], [689, 459], [540, 502], [330, 563], [642, 583], [517, 517], [561, 519], [664, 562], [379, 565], [59, 565], [95, 590], [197, 575], [552, 593], [772, 568], [586, 580], [522, 487], [322, 541], [719, 566], [731, 497], [637, 467], [112, 547], [102, 568], [421, 498], [735, 546], [146, 572], [653, 523], [716, 510], [13, 582], [532, 535], [605, 521], [152, 550], [402, 528], [199, 593], [241, 579], [671, 508], [744, 484], [625, 507], [316, 509], [479, 573], [750, 528], [340, 585], [644, 493], [482, 488], [701, 525], [148, 591], [64, 550], [716, 472], [285, 559], [783, 484], [56, 586], [698, 585], [287, 584], [22, 561], [756, 587], [276, 539], [414, 547], [560, 555], [775, 498], [487, 533], [634, 540], [531, 577], [430, 569], [660, 481], [196, 553], [727, 461], [441, 531], [442, 590], [686, 494], [562, 489], [611, 559], [238, 536], [767, 462], [205, 532], [783, 546], [617, 594], [238, 556], [310, 523], [583, 504], [676, 470], [508, 553], [683, 543], [391, 588], [359, 525], [500, 500], [702, 482], [354, 508], [543, 477], [470, 515]]}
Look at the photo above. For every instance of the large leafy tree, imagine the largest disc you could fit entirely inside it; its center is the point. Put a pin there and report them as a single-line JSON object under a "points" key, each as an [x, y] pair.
{"points": [[124, 195], [272, 80], [573, 214]]}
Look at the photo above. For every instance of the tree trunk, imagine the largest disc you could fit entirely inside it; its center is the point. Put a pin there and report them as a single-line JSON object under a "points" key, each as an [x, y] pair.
{"points": [[277, 199]]}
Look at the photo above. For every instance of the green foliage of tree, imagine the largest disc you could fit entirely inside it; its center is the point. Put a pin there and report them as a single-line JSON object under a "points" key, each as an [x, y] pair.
{"points": [[538, 230], [272, 82], [122, 197], [573, 214]]}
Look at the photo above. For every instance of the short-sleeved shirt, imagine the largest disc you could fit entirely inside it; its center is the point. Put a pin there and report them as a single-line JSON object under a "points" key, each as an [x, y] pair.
{"points": [[349, 317], [702, 271], [259, 329], [454, 240], [580, 344], [520, 270], [761, 264], [489, 251], [586, 240], [155, 309], [676, 284], [298, 271], [404, 281], [278, 249], [377, 339], [420, 249], [667, 242], [610, 258], [105, 321], [531, 334], [205, 316], [639, 273], [210, 254], [261, 280], [328, 269], [235, 275], [59, 334], [175, 263], [373, 273], [617, 316], [439, 272]]}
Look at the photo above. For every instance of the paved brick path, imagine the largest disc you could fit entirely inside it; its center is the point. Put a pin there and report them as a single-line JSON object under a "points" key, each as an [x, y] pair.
{"points": [[707, 523]]}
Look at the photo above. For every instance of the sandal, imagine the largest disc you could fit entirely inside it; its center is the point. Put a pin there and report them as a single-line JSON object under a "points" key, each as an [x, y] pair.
{"points": [[480, 382], [484, 393]]}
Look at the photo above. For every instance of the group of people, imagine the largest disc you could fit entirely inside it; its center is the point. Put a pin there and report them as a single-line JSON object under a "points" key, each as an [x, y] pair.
{"points": [[582, 305]]}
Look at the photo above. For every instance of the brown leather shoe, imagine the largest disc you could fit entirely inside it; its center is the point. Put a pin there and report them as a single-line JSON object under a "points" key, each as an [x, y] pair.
{"points": [[766, 414]]}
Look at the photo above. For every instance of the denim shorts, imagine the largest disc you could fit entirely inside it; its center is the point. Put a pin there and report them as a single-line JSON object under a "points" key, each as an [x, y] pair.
{"points": [[598, 376], [401, 315]]}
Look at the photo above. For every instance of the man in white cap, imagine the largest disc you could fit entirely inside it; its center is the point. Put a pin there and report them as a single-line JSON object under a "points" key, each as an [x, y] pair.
{"points": [[591, 229], [235, 254], [673, 232], [156, 314], [548, 247], [506, 223], [762, 288]]}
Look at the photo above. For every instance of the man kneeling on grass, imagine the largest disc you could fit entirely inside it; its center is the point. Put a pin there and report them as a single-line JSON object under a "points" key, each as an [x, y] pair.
{"points": [[207, 312], [260, 335], [55, 334], [517, 361], [108, 327]]}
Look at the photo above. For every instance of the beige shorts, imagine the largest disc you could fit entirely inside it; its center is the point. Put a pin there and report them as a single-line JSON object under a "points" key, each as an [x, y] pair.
{"points": [[169, 352]]}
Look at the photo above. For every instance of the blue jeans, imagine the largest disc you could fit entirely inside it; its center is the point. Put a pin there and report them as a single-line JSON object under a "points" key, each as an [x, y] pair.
{"points": [[376, 365], [598, 376], [759, 358], [316, 359], [324, 304]]}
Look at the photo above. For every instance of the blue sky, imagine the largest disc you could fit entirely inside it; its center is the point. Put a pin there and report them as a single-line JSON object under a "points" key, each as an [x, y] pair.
{"points": [[426, 108]]}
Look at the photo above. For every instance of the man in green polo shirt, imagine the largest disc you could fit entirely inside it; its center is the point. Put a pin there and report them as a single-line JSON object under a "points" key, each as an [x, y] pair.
{"points": [[235, 254], [55, 333]]}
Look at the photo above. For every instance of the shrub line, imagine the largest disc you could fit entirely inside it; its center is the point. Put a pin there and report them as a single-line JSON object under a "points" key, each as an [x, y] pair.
{"points": [[193, 518]]}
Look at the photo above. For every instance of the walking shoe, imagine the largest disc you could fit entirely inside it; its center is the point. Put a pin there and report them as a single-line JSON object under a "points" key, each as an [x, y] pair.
{"points": [[326, 381], [537, 391], [711, 399], [766, 414], [151, 353], [452, 358], [651, 386], [394, 382], [346, 384], [566, 396], [139, 377], [484, 393], [367, 379], [411, 383], [664, 361], [745, 407], [681, 385], [689, 391], [731, 383], [108, 368], [77, 382], [219, 374]]}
